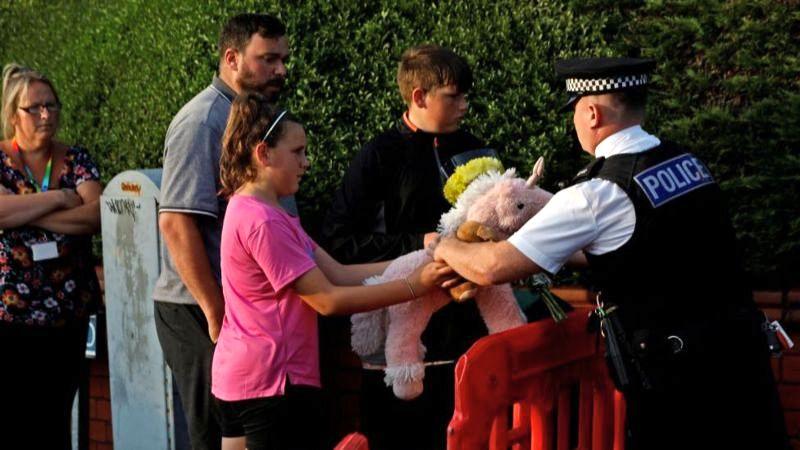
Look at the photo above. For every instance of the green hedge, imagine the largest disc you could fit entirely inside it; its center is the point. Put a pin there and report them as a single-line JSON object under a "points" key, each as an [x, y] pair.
{"points": [[726, 84]]}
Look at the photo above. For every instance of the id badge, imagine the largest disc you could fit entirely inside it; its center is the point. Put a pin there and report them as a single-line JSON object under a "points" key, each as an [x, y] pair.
{"points": [[44, 250]]}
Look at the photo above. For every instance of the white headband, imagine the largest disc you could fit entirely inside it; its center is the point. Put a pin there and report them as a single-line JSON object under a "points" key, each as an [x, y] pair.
{"points": [[274, 123]]}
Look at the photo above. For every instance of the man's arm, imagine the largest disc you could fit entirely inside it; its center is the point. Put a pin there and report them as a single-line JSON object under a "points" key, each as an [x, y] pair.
{"points": [[185, 245], [485, 263], [189, 195]]}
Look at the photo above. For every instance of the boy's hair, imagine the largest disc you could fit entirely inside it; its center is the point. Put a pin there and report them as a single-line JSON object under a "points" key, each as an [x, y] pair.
{"points": [[250, 117], [429, 67], [16, 81], [239, 29]]}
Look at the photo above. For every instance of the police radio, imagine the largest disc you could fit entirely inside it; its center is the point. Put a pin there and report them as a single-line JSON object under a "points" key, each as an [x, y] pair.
{"points": [[777, 338]]}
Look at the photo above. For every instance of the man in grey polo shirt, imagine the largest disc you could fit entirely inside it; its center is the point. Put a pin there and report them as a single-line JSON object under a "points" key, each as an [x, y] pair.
{"points": [[189, 307]]}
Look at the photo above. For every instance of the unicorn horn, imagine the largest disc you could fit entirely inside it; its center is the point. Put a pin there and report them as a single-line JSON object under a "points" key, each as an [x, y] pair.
{"points": [[538, 171]]}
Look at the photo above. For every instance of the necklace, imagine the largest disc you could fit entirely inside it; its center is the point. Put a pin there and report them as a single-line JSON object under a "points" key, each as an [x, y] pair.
{"points": [[47, 171]]}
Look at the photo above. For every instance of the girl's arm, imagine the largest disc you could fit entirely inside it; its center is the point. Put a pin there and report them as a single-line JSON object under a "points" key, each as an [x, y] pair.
{"points": [[329, 299], [83, 219], [17, 210], [346, 275]]}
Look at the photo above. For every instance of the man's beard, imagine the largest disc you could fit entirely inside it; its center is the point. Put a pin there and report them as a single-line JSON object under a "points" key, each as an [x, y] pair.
{"points": [[270, 88]]}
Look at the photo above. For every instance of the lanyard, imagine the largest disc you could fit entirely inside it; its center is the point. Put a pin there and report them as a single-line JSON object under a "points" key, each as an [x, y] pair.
{"points": [[442, 173], [47, 171]]}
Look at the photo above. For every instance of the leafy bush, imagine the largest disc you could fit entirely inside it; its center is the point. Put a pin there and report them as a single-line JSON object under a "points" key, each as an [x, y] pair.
{"points": [[726, 84]]}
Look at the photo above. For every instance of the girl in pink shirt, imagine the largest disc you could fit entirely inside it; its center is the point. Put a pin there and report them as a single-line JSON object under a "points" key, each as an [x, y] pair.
{"points": [[275, 279]]}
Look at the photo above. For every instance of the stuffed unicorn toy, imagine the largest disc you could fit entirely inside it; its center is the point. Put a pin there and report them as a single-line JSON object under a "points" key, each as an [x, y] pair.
{"points": [[488, 204]]}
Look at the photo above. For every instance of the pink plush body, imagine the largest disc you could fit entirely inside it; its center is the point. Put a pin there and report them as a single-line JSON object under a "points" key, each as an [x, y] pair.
{"points": [[506, 206]]}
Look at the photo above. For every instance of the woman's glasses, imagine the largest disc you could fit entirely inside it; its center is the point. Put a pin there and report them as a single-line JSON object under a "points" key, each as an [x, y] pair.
{"points": [[37, 110]]}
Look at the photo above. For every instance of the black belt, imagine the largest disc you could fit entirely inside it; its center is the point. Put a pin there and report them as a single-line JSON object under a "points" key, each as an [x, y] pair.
{"points": [[632, 351]]}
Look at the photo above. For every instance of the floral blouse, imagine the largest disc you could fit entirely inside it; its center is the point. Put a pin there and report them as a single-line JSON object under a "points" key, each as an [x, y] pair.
{"points": [[52, 292]]}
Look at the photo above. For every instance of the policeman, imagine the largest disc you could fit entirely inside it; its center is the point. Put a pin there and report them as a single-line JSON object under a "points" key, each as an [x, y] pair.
{"points": [[648, 218]]}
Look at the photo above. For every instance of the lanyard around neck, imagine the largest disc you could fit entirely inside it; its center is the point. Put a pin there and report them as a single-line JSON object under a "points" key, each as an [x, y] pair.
{"points": [[442, 173], [47, 171]]}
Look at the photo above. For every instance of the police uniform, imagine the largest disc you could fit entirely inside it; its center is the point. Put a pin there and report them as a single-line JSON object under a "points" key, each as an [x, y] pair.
{"points": [[650, 219]]}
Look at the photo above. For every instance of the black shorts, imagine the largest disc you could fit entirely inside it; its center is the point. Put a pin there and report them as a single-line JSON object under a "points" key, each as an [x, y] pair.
{"points": [[290, 421]]}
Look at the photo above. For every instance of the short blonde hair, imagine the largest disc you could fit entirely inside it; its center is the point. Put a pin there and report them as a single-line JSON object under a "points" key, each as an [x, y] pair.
{"points": [[16, 81], [429, 67]]}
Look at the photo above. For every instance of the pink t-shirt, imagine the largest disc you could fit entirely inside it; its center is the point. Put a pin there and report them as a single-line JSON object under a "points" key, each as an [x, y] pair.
{"points": [[269, 333]]}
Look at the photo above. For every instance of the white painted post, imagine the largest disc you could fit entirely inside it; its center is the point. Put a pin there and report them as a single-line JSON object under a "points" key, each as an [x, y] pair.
{"points": [[141, 382]]}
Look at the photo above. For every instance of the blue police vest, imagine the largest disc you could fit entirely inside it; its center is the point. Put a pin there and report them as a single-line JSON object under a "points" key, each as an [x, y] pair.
{"points": [[681, 260], [689, 327]]}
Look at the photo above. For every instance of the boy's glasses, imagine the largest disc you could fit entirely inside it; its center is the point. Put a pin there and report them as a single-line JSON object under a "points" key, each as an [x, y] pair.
{"points": [[274, 124], [37, 110]]}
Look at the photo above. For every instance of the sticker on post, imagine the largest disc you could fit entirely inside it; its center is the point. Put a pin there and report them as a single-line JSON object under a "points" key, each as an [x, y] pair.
{"points": [[44, 250]]}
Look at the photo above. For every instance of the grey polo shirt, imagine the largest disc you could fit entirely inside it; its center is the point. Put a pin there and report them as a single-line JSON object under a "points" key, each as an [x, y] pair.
{"points": [[190, 181]]}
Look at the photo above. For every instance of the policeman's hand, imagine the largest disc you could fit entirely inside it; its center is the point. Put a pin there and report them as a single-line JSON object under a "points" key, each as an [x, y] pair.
{"points": [[441, 247]]}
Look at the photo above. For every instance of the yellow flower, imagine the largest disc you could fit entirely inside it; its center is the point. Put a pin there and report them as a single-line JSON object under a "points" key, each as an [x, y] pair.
{"points": [[464, 175]]}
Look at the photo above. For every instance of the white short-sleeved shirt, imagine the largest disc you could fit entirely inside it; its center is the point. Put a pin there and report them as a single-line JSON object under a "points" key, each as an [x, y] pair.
{"points": [[595, 216]]}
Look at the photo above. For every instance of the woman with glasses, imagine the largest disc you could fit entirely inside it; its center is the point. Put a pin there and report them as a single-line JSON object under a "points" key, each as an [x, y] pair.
{"points": [[49, 208]]}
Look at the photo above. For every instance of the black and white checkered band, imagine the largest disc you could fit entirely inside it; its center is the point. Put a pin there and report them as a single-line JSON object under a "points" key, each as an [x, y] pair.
{"points": [[583, 85]]}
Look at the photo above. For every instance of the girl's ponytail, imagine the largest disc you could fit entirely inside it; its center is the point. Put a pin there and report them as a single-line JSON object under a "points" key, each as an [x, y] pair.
{"points": [[251, 115]]}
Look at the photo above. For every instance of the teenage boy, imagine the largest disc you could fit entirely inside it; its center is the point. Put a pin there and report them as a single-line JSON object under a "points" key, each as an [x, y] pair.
{"points": [[389, 204], [188, 298]]}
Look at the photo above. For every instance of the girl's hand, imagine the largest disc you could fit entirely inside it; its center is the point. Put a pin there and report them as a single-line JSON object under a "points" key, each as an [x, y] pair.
{"points": [[428, 276], [5, 191], [430, 242]]}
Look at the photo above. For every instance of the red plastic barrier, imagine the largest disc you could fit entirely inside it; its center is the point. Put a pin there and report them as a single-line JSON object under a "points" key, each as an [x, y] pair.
{"points": [[517, 390], [353, 441]]}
